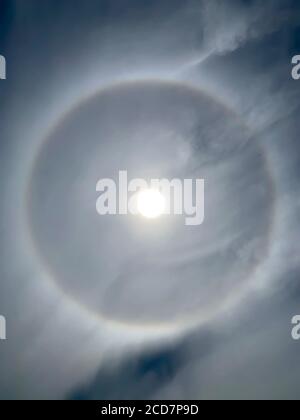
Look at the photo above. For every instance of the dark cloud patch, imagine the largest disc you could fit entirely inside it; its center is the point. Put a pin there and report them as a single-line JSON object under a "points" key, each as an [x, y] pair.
{"points": [[136, 377]]}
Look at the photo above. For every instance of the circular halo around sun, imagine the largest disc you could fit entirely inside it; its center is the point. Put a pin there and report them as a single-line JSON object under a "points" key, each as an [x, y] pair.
{"points": [[135, 274], [150, 203]]}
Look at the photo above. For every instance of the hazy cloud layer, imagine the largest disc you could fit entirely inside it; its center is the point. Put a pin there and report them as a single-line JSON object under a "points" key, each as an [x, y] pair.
{"points": [[69, 280]]}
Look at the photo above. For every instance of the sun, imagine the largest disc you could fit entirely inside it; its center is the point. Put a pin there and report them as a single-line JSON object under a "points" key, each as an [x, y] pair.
{"points": [[151, 203]]}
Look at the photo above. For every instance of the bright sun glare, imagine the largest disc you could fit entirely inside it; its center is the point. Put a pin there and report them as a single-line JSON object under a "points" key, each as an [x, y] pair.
{"points": [[150, 203]]}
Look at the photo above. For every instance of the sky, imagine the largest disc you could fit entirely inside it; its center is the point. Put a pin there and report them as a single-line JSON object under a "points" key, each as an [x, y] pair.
{"points": [[118, 307]]}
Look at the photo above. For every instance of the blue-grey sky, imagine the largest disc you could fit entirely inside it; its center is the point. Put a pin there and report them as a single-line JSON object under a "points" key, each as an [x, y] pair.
{"points": [[122, 307]]}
